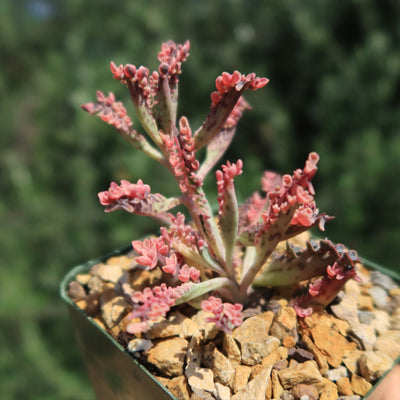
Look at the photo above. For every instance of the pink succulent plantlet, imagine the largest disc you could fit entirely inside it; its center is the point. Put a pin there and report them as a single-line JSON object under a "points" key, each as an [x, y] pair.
{"points": [[152, 304], [187, 274], [208, 253], [226, 315], [125, 196], [172, 56], [149, 251], [110, 111], [237, 81], [225, 180], [171, 265]]}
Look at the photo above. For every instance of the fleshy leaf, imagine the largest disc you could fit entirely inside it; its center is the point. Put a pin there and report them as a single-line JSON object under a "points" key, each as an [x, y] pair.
{"points": [[114, 113], [229, 89], [323, 291], [297, 265], [136, 198], [218, 145], [228, 209]]}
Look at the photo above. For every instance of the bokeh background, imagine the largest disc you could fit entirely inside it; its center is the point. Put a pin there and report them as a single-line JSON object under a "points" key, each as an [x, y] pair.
{"points": [[334, 69]]}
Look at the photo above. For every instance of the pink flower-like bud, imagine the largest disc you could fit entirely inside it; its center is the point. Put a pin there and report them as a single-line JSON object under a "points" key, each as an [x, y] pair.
{"points": [[148, 251], [130, 71], [226, 315], [225, 82], [118, 72], [171, 265]]}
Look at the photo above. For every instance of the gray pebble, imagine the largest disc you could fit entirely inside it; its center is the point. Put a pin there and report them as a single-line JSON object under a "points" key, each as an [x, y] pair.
{"points": [[365, 317], [379, 296], [382, 280]]}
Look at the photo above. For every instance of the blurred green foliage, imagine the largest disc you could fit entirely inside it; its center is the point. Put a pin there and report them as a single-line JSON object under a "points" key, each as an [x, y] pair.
{"points": [[335, 89]]}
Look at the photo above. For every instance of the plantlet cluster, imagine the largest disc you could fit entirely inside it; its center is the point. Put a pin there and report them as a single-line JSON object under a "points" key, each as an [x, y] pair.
{"points": [[215, 258]]}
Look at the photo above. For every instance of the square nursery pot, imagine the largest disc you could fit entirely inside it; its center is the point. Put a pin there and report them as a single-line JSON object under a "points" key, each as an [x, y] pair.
{"points": [[114, 373]]}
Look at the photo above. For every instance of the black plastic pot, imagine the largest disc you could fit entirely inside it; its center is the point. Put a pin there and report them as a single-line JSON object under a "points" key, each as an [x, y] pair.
{"points": [[115, 375]]}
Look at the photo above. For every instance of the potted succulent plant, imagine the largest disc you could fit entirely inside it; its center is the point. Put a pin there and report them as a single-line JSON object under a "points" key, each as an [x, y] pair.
{"points": [[194, 306]]}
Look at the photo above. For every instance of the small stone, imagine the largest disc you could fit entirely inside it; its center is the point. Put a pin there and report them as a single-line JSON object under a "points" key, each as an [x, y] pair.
{"points": [[365, 303], [113, 309], [110, 273], [329, 392], [137, 344], [179, 387], [301, 391], [299, 354], [254, 340], [283, 351], [257, 369], [346, 309], [381, 321], [95, 284], [123, 261], [392, 292], [379, 296], [350, 360], [330, 343], [210, 329], [241, 377], [285, 323], [318, 356], [344, 387], [307, 373], [277, 388], [382, 280], [374, 364], [293, 363], [359, 385], [286, 395], [168, 356], [202, 395], [139, 278], [365, 317], [221, 392], [187, 328], [256, 388], [268, 317], [218, 363], [288, 342], [76, 291], [271, 358], [164, 327], [231, 350], [83, 279], [162, 380], [352, 287], [389, 343], [336, 373], [281, 364], [201, 379], [395, 320], [366, 334]]}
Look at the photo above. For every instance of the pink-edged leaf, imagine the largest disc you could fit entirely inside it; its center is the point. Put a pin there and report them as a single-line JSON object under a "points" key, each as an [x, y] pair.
{"points": [[323, 291], [216, 118], [218, 145], [151, 206], [296, 265], [229, 90], [226, 317]]}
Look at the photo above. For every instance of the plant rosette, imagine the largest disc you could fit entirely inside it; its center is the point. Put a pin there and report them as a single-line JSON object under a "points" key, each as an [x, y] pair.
{"points": [[239, 303]]}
